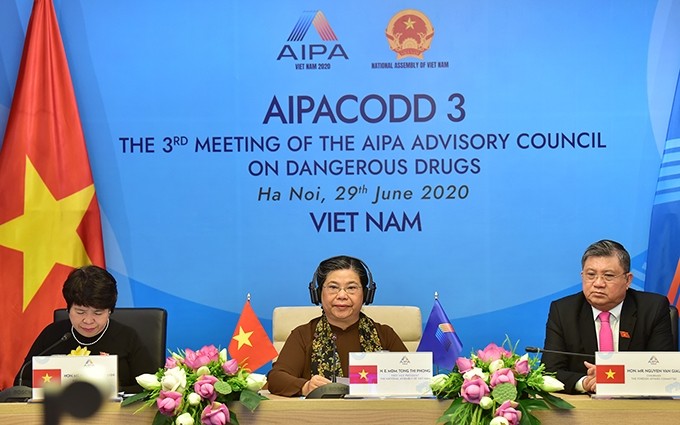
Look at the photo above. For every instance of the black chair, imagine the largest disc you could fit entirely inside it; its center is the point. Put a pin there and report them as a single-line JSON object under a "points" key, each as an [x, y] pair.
{"points": [[674, 326], [150, 323]]}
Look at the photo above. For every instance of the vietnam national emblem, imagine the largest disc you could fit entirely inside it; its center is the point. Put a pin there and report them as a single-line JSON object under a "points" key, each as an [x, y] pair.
{"points": [[409, 33]]}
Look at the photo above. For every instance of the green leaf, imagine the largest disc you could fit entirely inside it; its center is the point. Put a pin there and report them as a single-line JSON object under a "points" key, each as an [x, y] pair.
{"points": [[233, 420], [250, 399], [134, 398], [556, 402], [445, 419], [455, 405], [527, 418], [530, 419], [160, 419], [534, 404], [222, 387], [532, 392]]}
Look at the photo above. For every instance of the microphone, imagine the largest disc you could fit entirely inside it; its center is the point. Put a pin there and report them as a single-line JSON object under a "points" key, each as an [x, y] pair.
{"points": [[65, 337], [21, 393], [334, 389], [566, 353]]}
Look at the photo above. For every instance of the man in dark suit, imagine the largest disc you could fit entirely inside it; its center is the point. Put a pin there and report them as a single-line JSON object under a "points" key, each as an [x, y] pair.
{"points": [[640, 321]]}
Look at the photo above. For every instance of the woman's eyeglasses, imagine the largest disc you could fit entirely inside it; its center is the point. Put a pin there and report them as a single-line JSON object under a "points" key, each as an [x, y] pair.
{"points": [[334, 289]]}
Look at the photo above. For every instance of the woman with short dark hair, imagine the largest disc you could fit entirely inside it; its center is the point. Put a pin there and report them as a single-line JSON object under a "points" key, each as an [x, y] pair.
{"points": [[91, 293]]}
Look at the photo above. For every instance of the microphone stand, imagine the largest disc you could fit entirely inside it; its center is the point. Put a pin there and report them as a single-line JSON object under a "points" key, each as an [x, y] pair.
{"points": [[334, 389], [566, 353], [21, 393]]}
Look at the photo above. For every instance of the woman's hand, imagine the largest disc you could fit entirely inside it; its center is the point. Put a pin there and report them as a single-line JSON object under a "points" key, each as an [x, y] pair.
{"points": [[314, 383]]}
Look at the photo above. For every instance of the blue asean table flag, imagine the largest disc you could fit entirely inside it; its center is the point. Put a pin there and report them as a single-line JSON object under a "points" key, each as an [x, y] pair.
{"points": [[440, 338], [663, 255]]}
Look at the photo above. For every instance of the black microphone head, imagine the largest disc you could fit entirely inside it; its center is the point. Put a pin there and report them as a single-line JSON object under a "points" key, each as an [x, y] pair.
{"points": [[532, 349], [332, 390], [17, 394], [65, 337]]}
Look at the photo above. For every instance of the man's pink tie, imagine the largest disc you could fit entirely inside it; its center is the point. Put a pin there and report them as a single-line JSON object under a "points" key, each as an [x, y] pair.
{"points": [[606, 338]]}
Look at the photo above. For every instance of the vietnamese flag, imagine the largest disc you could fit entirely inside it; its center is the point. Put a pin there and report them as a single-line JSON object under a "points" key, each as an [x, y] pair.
{"points": [[610, 374], [49, 215], [42, 377], [363, 374], [250, 344]]}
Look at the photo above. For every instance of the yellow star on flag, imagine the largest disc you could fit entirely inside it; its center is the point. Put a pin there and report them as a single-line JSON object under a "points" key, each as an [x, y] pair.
{"points": [[610, 374], [47, 378], [363, 374], [47, 232], [243, 338]]}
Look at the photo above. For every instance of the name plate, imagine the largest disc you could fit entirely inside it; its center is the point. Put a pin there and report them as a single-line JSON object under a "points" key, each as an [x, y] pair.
{"points": [[390, 374], [638, 374], [59, 370]]}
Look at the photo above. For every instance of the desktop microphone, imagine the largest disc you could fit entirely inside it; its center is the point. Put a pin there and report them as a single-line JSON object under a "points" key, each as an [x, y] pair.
{"points": [[566, 353], [334, 389], [65, 337], [21, 393]]}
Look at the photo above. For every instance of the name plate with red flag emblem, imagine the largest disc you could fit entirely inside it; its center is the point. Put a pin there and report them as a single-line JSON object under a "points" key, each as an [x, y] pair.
{"points": [[390, 374], [638, 374], [52, 372]]}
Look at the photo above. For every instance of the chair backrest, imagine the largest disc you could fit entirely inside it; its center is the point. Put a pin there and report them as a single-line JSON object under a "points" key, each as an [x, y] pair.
{"points": [[150, 323], [406, 321], [674, 326]]}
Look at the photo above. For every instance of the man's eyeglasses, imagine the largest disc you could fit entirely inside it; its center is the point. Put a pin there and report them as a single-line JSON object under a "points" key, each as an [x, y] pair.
{"points": [[334, 289], [591, 277]]}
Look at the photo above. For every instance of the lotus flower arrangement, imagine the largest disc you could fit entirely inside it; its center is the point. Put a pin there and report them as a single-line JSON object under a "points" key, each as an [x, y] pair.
{"points": [[195, 387], [495, 386]]}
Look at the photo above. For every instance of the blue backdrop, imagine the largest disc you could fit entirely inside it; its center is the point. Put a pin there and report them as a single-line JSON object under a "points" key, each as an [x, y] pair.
{"points": [[472, 148]]}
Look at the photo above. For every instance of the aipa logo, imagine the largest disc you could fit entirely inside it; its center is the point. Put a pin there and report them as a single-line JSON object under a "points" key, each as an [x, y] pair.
{"points": [[298, 50]]}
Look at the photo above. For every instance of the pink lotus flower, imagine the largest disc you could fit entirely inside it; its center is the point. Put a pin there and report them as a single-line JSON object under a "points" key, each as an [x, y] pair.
{"points": [[522, 365], [464, 364], [196, 359], [205, 387], [474, 389], [215, 414], [507, 410], [230, 367], [492, 352], [168, 402], [171, 362], [211, 352], [502, 376]]}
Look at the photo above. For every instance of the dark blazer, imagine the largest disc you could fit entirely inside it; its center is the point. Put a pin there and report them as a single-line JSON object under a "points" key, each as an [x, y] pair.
{"points": [[645, 325]]}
